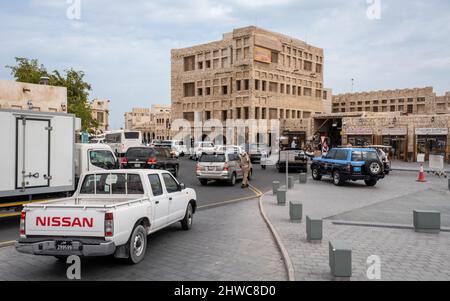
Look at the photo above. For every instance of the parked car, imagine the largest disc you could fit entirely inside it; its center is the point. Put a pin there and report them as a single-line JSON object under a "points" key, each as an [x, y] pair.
{"points": [[112, 212], [255, 151], [383, 151], [344, 164], [220, 167], [230, 148], [150, 157], [298, 162], [200, 148]]}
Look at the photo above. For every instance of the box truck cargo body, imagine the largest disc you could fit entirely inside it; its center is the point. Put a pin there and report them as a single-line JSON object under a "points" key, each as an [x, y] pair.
{"points": [[37, 152]]}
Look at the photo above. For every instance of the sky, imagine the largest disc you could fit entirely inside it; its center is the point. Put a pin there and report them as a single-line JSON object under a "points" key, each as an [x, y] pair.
{"points": [[124, 46]]}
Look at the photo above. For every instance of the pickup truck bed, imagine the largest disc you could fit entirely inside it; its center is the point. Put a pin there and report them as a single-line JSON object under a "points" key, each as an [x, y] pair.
{"points": [[98, 222]]}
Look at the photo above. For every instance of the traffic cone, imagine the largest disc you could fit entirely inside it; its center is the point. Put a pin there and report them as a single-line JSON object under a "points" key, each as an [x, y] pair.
{"points": [[421, 174]]}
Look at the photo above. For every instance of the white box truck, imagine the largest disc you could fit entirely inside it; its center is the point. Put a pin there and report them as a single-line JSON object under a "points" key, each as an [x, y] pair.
{"points": [[37, 152]]}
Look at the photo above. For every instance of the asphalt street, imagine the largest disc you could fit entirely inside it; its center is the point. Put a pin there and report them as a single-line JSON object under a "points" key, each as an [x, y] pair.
{"points": [[214, 193]]}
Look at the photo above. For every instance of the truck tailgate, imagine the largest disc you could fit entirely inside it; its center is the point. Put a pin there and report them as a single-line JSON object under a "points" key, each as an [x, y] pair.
{"points": [[79, 222]]}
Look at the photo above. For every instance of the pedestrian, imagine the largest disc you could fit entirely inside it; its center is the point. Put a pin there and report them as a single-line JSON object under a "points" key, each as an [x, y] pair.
{"points": [[246, 166]]}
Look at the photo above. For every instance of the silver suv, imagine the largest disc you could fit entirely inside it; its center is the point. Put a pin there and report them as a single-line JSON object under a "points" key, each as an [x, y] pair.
{"points": [[219, 167]]}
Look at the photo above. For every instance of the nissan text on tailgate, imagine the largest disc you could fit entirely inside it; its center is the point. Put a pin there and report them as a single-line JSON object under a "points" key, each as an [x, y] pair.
{"points": [[111, 212]]}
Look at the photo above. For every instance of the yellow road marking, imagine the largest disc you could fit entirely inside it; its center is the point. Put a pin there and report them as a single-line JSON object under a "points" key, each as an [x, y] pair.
{"points": [[7, 243], [16, 204], [255, 191], [9, 214]]}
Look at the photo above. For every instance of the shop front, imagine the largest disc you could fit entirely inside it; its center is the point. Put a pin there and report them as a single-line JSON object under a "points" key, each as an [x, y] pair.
{"points": [[397, 139], [431, 141], [359, 136]]}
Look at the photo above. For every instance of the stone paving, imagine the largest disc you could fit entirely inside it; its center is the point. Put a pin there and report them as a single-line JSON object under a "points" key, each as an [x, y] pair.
{"points": [[225, 243], [404, 254]]}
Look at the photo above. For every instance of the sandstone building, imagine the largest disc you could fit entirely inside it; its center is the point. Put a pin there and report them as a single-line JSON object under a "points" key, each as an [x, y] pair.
{"points": [[23, 96], [251, 73], [154, 122], [100, 112]]}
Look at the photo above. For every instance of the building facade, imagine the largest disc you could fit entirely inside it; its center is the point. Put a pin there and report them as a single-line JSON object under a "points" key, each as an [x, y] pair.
{"points": [[100, 112], [251, 73], [406, 101], [24, 96], [154, 122]]}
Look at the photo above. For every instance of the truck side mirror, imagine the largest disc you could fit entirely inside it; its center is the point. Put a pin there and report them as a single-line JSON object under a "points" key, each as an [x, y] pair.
{"points": [[182, 186]]}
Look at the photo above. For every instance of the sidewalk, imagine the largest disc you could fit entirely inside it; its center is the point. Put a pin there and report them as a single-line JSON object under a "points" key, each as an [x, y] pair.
{"points": [[414, 166], [404, 254]]}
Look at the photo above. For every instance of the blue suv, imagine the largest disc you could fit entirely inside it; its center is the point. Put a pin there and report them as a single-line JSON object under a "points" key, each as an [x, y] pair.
{"points": [[344, 164]]}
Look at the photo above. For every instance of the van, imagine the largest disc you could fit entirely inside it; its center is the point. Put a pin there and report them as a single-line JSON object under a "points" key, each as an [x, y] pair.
{"points": [[121, 140]]}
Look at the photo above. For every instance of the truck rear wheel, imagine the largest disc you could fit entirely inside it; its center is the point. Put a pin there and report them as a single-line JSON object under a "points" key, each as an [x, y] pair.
{"points": [[137, 245], [186, 222]]}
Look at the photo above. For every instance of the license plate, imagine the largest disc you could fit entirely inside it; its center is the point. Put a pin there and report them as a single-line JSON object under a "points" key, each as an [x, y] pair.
{"points": [[211, 168], [137, 165], [357, 169], [64, 246]]}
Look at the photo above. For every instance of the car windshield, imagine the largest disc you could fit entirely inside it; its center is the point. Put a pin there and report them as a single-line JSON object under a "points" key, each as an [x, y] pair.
{"points": [[364, 155], [212, 158], [142, 152], [207, 145]]}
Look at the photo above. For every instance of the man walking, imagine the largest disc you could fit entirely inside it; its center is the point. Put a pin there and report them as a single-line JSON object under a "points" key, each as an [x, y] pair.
{"points": [[246, 165]]}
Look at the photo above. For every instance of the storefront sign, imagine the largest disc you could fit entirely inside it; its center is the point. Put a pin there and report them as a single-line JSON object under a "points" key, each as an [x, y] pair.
{"points": [[432, 132], [359, 131], [268, 42], [394, 132], [263, 55]]}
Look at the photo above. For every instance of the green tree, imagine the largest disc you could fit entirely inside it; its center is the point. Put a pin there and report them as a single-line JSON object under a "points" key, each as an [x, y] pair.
{"points": [[30, 71]]}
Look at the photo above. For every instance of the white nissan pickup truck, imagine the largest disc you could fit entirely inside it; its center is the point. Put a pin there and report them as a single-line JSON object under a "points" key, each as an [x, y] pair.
{"points": [[111, 212]]}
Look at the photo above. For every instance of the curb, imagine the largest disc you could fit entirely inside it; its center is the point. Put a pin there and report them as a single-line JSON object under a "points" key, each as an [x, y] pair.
{"points": [[284, 253]]}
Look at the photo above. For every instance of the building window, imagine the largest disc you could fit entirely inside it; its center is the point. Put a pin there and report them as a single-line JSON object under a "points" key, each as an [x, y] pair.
{"points": [[200, 66], [273, 87], [307, 114], [318, 68], [208, 91], [224, 90], [392, 108], [281, 88], [256, 84], [224, 115], [410, 109], [307, 92], [246, 84], [189, 63], [264, 85], [199, 92], [263, 113], [207, 115], [238, 85], [274, 57], [307, 65], [189, 89], [208, 64]]}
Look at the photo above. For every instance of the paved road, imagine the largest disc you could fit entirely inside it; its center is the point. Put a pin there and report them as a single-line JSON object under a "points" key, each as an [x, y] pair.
{"points": [[404, 254], [226, 243], [207, 195]]}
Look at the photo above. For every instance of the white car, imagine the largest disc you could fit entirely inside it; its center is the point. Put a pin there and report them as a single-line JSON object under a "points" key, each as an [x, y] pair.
{"points": [[200, 148], [231, 148], [112, 212]]}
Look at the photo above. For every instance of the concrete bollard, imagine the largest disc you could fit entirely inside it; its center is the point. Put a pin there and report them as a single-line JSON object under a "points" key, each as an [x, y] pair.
{"points": [[340, 259], [275, 186], [314, 229], [290, 182], [295, 211], [281, 195], [303, 178], [427, 221]]}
